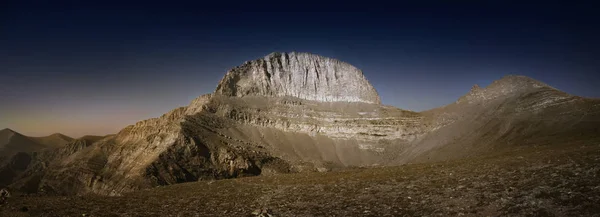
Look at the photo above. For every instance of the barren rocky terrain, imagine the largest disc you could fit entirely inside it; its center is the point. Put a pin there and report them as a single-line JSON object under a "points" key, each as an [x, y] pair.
{"points": [[552, 180]]}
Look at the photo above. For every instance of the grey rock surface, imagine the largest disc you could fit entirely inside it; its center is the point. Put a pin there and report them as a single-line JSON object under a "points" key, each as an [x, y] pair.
{"points": [[303, 75]]}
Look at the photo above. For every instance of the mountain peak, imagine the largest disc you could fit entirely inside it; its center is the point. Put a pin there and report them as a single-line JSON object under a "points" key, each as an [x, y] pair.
{"points": [[62, 136], [519, 81], [7, 130], [516, 83], [303, 75], [475, 88], [507, 85]]}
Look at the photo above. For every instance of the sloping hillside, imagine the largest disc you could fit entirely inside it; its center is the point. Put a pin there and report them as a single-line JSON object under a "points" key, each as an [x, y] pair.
{"points": [[512, 112]]}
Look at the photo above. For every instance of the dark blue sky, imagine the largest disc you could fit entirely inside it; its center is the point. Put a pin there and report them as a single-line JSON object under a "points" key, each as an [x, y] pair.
{"points": [[92, 68]]}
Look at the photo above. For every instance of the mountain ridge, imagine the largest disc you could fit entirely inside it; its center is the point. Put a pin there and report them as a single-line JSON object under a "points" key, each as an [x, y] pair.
{"points": [[253, 130]]}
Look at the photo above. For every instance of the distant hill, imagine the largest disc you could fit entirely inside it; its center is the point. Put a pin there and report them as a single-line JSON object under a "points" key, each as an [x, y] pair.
{"points": [[24, 167], [12, 142], [53, 141]]}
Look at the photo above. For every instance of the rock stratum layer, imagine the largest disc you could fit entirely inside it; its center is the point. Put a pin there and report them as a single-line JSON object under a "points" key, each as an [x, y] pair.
{"points": [[301, 112], [301, 75]]}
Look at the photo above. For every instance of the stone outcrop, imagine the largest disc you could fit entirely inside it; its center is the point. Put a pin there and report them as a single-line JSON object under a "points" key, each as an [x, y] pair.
{"points": [[301, 75]]}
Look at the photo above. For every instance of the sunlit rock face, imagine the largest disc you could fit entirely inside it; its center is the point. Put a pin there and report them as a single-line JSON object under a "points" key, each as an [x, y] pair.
{"points": [[302, 75]]}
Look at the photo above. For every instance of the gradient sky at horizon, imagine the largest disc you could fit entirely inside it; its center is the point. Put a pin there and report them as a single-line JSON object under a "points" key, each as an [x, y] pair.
{"points": [[79, 68]]}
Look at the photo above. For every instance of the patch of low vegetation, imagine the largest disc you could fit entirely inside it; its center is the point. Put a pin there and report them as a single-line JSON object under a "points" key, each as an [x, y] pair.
{"points": [[528, 181]]}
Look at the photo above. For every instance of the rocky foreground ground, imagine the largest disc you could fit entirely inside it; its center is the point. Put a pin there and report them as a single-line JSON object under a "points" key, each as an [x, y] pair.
{"points": [[527, 181]]}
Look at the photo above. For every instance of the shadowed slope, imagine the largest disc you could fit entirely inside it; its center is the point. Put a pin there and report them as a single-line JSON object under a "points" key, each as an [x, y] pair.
{"points": [[12, 142]]}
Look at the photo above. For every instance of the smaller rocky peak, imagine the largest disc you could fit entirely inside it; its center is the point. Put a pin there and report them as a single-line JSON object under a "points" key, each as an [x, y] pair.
{"points": [[516, 82], [61, 136], [277, 55], [174, 114], [7, 133], [7, 130], [198, 104], [475, 88], [506, 86]]}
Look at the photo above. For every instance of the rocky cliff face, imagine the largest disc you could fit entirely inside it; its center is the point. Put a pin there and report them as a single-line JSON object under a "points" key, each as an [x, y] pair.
{"points": [[301, 75]]}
